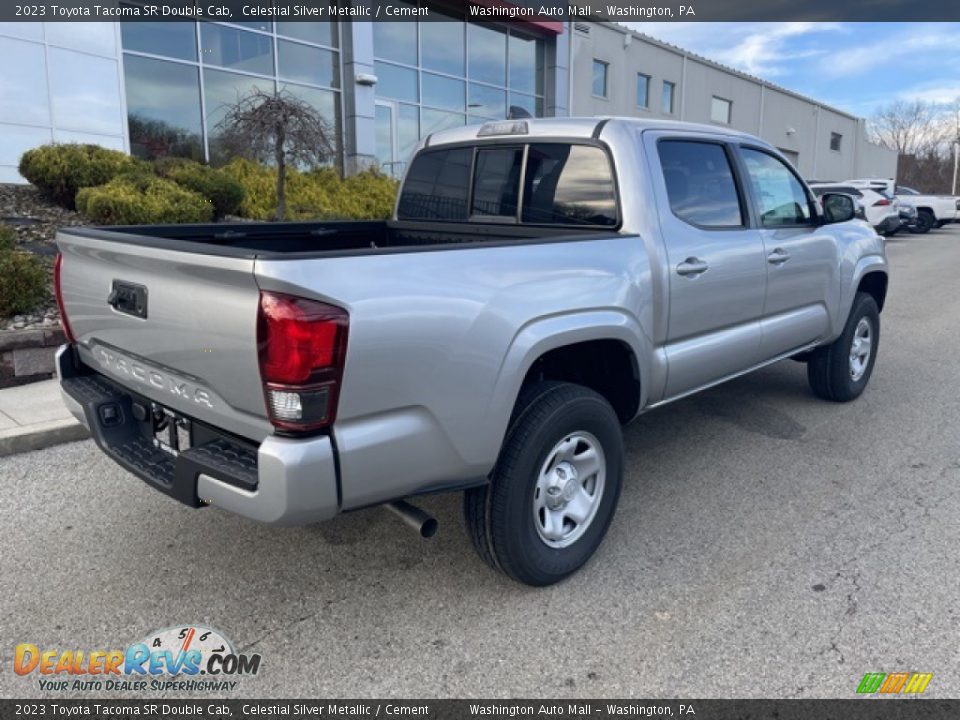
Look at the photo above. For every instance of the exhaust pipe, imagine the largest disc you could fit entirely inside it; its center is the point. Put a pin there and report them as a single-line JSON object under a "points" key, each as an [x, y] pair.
{"points": [[420, 520]]}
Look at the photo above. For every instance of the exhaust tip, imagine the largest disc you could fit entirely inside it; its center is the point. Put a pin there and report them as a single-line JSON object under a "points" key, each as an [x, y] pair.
{"points": [[421, 521], [429, 528]]}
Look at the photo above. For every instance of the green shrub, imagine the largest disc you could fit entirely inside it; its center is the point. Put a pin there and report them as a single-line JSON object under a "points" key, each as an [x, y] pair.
{"points": [[316, 195], [59, 171], [23, 282], [217, 186], [141, 198], [8, 239], [259, 188], [369, 194]]}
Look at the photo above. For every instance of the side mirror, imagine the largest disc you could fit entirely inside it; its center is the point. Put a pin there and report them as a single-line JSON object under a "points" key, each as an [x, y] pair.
{"points": [[838, 207]]}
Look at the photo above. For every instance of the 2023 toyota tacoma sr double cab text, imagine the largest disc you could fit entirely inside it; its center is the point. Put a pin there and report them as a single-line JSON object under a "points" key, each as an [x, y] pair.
{"points": [[541, 284]]}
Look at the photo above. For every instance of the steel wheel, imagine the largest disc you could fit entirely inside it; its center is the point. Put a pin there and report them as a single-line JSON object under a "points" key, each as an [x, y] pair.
{"points": [[569, 489], [860, 349]]}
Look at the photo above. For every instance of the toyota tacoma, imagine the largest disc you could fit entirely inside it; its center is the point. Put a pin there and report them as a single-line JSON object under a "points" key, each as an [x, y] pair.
{"points": [[541, 284]]}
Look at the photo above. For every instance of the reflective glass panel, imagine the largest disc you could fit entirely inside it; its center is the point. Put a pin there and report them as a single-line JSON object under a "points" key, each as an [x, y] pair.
{"points": [[488, 54], [307, 64], [443, 92], [171, 39], [442, 46], [396, 82], [163, 108], [232, 48]]}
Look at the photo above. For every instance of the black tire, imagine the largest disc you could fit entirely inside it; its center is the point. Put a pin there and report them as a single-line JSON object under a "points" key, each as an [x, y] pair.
{"points": [[829, 368], [499, 516], [925, 221]]}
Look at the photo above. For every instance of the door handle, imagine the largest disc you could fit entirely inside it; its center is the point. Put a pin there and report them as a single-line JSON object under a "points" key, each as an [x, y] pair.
{"points": [[691, 267], [778, 256]]}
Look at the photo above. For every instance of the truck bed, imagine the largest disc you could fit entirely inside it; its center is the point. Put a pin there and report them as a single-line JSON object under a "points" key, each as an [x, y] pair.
{"points": [[315, 239]]}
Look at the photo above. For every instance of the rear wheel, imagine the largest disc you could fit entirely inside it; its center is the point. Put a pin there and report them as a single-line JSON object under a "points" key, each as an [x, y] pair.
{"points": [[554, 491], [841, 370]]}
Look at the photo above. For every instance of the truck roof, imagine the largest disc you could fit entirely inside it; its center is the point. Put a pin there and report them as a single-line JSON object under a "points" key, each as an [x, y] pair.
{"points": [[576, 127]]}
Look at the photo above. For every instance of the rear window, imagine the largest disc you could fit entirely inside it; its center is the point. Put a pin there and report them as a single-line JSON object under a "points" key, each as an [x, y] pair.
{"points": [[560, 184], [569, 185], [496, 182], [437, 186]]}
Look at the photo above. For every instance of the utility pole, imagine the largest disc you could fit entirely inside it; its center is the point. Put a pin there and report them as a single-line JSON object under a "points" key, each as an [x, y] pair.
{"points": [[956, 149], [956, 145]]}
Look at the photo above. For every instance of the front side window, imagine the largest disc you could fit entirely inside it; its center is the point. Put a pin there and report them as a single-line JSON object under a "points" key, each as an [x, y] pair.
{"points": [[600, 78], [720, 110], [700, 183], [569, 185], [666, 100], [781, 198], [643, 90]]}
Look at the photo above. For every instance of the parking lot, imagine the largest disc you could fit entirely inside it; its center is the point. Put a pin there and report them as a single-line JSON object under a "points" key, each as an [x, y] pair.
{"points": [[767, 544]]}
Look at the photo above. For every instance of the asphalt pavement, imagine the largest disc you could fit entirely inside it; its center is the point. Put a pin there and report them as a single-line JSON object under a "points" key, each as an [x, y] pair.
{"points": [[767, 544]]}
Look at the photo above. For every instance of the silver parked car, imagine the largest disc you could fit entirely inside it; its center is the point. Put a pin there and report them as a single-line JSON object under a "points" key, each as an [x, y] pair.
{"points": [[542, 283]]}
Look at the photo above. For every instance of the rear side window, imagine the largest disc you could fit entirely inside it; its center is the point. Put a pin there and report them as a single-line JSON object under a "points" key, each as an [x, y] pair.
{"points": [[700, 183], [437, 186], [569, 185]]}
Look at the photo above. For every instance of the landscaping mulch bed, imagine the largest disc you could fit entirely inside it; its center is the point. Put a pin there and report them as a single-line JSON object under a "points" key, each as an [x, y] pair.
{"points": [[35, 221]]}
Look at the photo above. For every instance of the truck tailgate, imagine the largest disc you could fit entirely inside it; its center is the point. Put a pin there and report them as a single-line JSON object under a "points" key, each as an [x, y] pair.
{"points": [[181, 329]]}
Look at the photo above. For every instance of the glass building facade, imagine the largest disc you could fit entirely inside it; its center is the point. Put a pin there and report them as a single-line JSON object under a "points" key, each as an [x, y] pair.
{"points": [[158, 89], [181, 77], [441, 74]]}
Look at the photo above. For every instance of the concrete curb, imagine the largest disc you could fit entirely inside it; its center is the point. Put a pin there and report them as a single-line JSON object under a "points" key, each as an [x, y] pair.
{"points": [[41, 436]]}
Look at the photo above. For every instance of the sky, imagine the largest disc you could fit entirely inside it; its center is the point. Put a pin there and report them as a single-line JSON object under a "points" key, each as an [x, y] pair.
{"points": [[857, 67]]}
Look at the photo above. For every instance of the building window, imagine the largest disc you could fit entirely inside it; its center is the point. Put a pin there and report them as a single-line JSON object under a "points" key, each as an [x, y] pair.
{"points": [[643, 90], [836, 141], [437, 75], [182, 77], [666, 98], [600, 78], [720, 110]]}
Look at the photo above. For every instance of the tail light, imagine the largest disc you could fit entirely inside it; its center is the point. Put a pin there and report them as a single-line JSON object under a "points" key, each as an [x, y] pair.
{"points": [[302, 345], [58, 293], [882, 202]]}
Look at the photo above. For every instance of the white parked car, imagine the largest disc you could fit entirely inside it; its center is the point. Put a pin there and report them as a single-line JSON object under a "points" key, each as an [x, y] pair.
{"points": [[932, 210], [880, 210]]}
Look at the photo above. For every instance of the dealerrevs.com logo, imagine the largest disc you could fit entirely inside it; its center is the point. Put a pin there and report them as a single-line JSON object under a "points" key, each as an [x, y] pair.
{"points": [[183, 658]]}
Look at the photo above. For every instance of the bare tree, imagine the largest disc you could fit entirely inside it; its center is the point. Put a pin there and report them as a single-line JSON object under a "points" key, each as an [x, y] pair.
{"points": [[921, 133], [910, 128], [278, 129]]}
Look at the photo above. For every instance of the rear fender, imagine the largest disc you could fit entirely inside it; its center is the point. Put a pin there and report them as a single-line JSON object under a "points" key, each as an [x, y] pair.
{"points": [[546, 334]]}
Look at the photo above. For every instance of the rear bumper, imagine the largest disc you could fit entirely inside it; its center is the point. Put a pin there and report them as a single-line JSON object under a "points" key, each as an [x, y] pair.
{"points": [[888, 224], [280, 481]]}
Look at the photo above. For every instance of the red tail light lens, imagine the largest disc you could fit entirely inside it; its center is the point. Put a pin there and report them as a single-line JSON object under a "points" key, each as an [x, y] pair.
{"points": [[302, 346], [58, 293], [882, 202]]}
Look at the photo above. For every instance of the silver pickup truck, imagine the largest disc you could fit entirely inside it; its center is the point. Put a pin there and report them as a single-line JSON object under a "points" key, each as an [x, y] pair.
{"points": [[541, 284]]}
